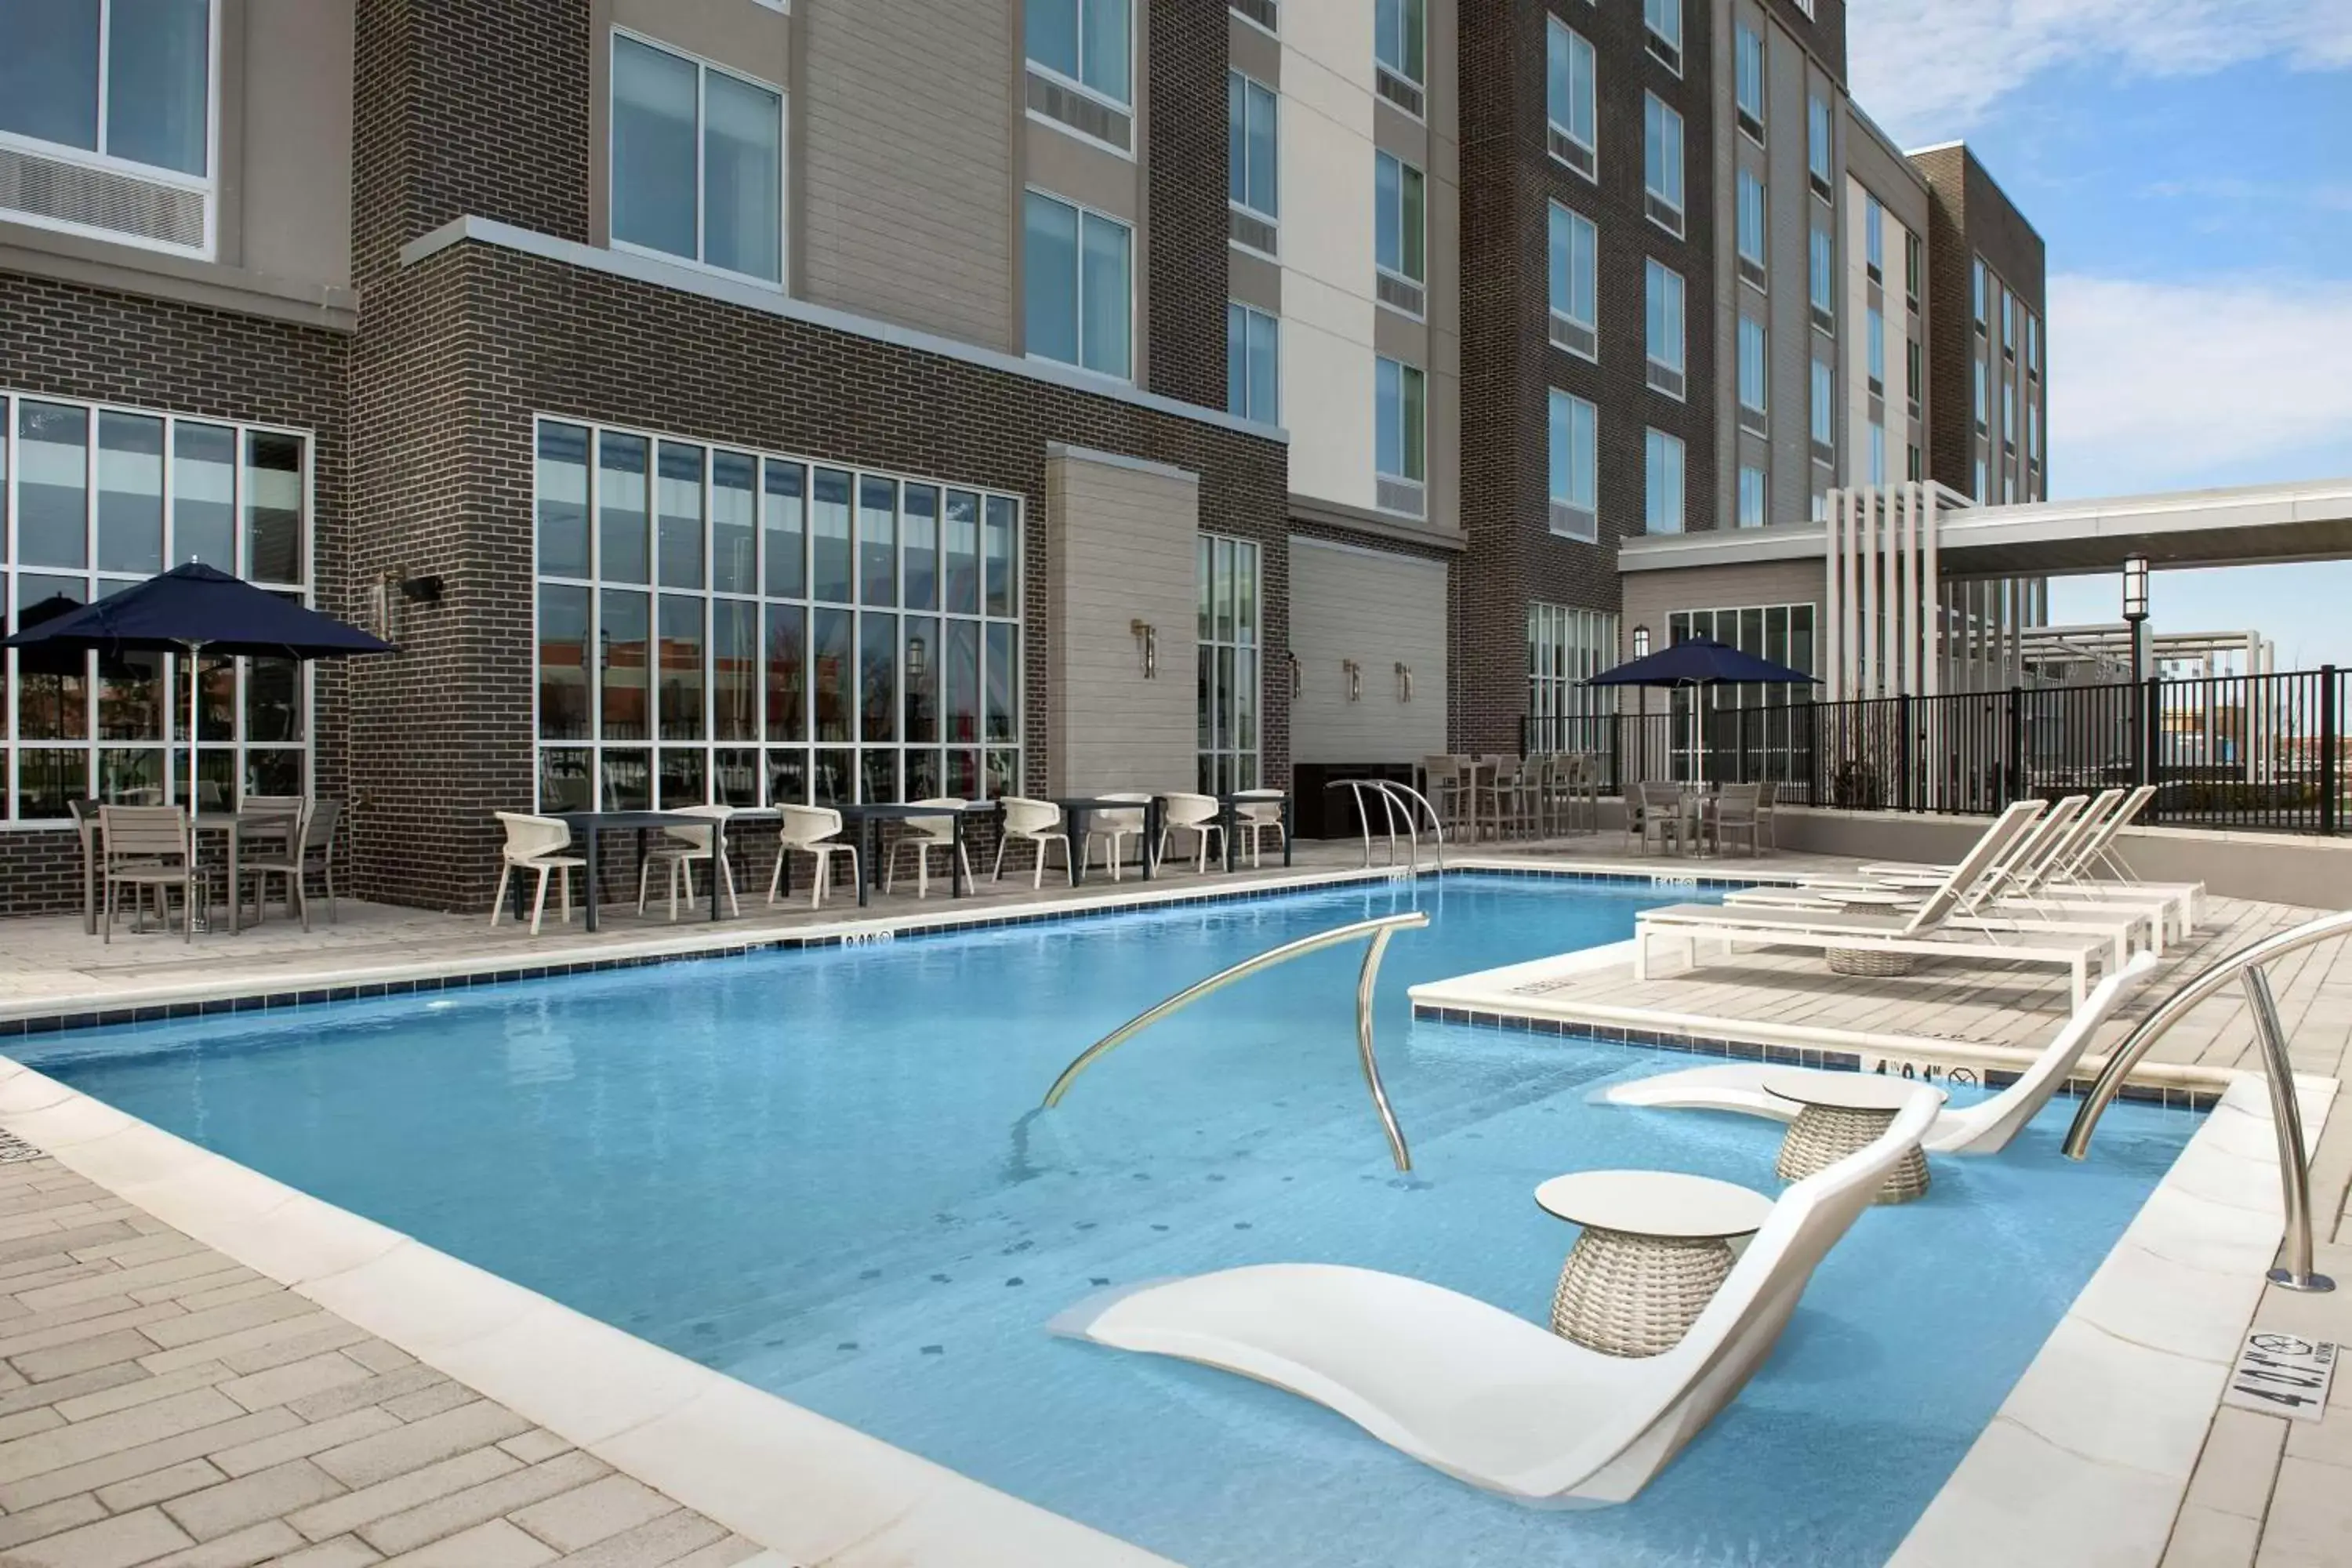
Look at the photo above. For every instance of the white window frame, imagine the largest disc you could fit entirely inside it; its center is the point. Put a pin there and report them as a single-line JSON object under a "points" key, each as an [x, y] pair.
{"points": [[1747, 42], [1078, 302], [173, 741], [1588, 137], [1576, 514], [1820, 147], [1874, 236], [1874, 359], [1567, 646], [1397, 70], [1404, 445], [208, 185], [1762, 488], [1590, 319], [1761, 359], [1662, 20], [1270, 218], [1823, 423], [1663, 456], [1403, 168], [1820, 279], [1267, 417], [781, 282], [1877, 453], [1106, 99], [1744, 182], [1656, 112], [1673, 309], [1248, 638], [1274, 32]]}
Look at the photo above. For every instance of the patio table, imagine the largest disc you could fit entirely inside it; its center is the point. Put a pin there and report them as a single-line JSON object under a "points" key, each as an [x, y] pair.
{"points": [[588, 824], [1838, 1113], [870, 818], [1655, 1247], [1077, 808]]}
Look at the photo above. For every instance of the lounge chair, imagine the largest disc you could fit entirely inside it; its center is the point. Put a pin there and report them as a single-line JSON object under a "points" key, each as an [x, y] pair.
{"points": [[1985, 1128], [1484, 1394], [1925, 932]]}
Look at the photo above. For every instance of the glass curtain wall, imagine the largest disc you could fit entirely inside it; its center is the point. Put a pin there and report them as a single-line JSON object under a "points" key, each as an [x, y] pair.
{"points": [[1229, 673], [1566, 647], [1765, 736]]}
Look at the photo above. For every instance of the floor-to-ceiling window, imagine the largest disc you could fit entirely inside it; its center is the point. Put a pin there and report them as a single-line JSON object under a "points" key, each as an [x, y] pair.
{"points": [[1567, 646], [94, 499], [1229, 673], [1761, 743], [722, 625]]}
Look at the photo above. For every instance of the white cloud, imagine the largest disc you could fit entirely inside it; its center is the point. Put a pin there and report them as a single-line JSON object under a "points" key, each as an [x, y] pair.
{"points": [[2157, 385], [1929, 68]]}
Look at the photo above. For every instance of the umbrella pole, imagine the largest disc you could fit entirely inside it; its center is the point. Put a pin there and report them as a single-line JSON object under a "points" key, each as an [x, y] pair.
{"points": [[195, 796]]}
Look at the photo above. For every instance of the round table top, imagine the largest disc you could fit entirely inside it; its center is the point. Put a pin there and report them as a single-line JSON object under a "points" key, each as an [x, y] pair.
{"points": [[1654, 1202], [1844, 1090]]}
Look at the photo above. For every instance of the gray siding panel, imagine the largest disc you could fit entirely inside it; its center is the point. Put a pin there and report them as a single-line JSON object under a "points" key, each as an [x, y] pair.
{"points": [[1379, 610]]}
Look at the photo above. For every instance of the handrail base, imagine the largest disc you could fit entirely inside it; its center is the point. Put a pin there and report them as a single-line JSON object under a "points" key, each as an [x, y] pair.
{"points": [[2288, 1280]]}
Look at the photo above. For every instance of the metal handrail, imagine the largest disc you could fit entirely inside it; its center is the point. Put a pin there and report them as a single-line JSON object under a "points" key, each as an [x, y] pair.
{"points": [[1393, 793], [2295, 1161], [1379, 929]]}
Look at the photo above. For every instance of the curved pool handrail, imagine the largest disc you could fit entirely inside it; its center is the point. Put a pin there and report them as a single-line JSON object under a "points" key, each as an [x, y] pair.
{"points": [[2246, 965], [1379, 929]]}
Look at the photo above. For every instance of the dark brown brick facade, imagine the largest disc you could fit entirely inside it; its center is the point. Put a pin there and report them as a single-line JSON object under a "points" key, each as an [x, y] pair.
{"points": [[1968, 215], [1184, 174]]}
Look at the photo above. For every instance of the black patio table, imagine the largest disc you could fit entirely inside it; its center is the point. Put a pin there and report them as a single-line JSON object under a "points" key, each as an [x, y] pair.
{"points": [[870, 818], [1077, 808], [587, 824], [1229, 816]]}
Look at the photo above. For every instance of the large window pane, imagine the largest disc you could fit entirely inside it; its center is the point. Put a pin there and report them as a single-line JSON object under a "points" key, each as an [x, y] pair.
{"points": [[1103, 291], [1052, 34], [624, 639], [1003, 671], [964, 552], [130, 697], [52, 485], [1103, 46], [922, 548], [1049, 265], [829, 537], [52, 687], [128, 777], [784, 487], [130, 493], [878, 541], [563, 663], [786, 674], [878, 664], [963, 682], [921, 668], [835, 681], [562, 498], [273, 699], [653, 148], [742, 177], [733, 540], [682, 780], [1004, 518], [734, 669], [679, 500], [681, 666], [273, 507], [563, 779], [49, 70], [157, 61], [628, 781], [622, 499], [48, 779], [203, 495]]}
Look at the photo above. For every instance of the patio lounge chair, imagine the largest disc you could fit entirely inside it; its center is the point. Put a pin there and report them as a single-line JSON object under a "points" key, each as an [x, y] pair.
{"points": [[1927, 930], [1484, 1394], [1985, 1128]]}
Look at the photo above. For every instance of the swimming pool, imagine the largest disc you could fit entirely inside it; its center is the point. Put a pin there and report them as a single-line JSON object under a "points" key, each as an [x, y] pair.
{"points": [[823, 1172]]}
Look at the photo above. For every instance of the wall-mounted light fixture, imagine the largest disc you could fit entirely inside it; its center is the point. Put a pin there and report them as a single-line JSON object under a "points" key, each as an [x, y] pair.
{"points": [[918, 658], [1147, 644], [1297, 681], [1404, 682], [1640, 642], [1355, 673]]}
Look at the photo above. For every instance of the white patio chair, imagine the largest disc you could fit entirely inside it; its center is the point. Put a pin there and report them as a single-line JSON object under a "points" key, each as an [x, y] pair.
{"points": [[1484, 1394], [1036, 823], [923, 834], [1985, 1128], [814, 831], [1196, 814], [678, 850], [1112, 829], [535, 844], [1257, 812]]}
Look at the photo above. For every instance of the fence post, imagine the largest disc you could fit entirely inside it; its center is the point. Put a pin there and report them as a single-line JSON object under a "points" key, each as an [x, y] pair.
{"points": [[2330, 769], [1903, 754], [2012, 777]]}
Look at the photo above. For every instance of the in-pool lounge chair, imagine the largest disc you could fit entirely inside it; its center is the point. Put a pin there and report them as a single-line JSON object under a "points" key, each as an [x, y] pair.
{"points": [[1484, 1394], [1984, 1127], [1927, 931]]}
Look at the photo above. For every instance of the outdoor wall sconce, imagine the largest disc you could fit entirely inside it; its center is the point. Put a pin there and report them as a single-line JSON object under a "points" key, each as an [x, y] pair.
{"points": [[1297, 682], [1640, 642], [1355, 680], [1147, 642], [1404, 682]]}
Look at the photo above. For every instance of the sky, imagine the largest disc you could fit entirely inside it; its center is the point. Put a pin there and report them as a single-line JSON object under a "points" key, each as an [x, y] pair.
{"points": [[2188, 165]]}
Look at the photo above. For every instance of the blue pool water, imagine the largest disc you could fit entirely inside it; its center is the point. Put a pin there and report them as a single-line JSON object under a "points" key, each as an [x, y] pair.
{"points": [[822, 1172]]}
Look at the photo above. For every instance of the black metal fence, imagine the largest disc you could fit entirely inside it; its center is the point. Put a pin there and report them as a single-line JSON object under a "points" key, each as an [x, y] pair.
{"points": [[2258, 752]]}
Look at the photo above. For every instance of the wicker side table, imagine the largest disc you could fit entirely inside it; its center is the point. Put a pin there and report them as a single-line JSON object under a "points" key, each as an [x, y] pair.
{"points": [[1872, 962], [1838, 1113], [1655, 1249]]}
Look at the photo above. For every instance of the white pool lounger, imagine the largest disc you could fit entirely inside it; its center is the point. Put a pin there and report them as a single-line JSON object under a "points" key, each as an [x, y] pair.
{"points": [[1486, 1396], [1985, 1128]]}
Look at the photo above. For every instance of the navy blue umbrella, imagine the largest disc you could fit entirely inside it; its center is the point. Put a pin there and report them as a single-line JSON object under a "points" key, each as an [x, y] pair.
{"points": [[1701, 661], [193, 609]]}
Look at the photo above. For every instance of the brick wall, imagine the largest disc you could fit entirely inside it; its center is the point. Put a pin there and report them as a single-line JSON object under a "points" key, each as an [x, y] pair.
{"points": [[1951, 332], [1184, 199]]}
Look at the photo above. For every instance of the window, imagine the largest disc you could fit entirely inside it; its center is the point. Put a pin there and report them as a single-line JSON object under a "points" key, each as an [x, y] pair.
{"points": [[1755, 369], [1747, 78], [1398, 232], [1877, 453], [1663, 492], [1983, 411], [1912, 357], [1824, 411], [1571, 99], [1874, 237], [2008, 323], [1075, 277], [1750, 228], [1252, 363], [1575, 461], [1663, 19], [1663, 290], [1266, 14], [1228, 673], [1661, 163], [1977, 285], [1768, 738], [123, 87], [1567, 648], [1399, 38], [1914, 462], [697, 161], [1575, 267], [2032, 343], [1821, 276], [2033, 430], [1085, 43], [2008, 413], [727, 626], [1874, 357], [1915, 265], [1250, 157], [1753, 501], [1818, 146], [1983, 491], [1398, 434], [103, 499]]}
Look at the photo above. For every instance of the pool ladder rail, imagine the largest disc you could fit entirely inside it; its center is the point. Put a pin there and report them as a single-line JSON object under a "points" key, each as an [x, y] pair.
{"points": [[2247, 966], [1378, 930], [1394, 798]]}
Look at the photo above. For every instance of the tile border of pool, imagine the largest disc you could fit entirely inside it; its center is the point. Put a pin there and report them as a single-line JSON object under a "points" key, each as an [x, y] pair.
{"points": [[178, 1004], [2203, 1236]]}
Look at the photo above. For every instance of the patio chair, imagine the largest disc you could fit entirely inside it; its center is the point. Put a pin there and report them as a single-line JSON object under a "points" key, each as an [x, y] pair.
{"points": [[1257, 812], [309, 847], [923, 834], [535, 844], [1984, 1127], [1737, 816], [85, 818], [814, 831], [149, 848], [1036, 823], [678, 850], [1502, 795], [1196, 814], [1482, 1393], [1653, 808], [1767, 793], [1445, 780], [1112, 829]]}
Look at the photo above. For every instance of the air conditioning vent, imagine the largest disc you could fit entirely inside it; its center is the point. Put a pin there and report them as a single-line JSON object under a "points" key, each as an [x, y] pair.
{"points": [[1573, 153], [1824, 454], [1398, 91], [1825, 320], [1400, 293], [1573, 335], [1754, 420], [1666, 54], [1054, 101], [53, 190], [1663, 213], [1877, 387], [1822, 189], [1575, 521], [1409, 497], [1752, 271], [1914, 406], [1665, 379], [1752, 126], [1263, 12], [1249, 228]]}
